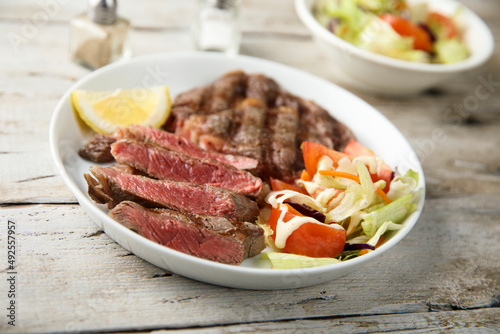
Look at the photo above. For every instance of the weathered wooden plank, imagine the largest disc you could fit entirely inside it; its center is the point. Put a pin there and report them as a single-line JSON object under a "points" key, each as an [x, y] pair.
{"points": [[88, 282], [276, 16], [475, 321], [257, 14]]}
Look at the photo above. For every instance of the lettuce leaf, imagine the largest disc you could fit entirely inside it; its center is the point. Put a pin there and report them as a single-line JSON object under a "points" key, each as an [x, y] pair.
{"points": [[394, 212], [387, 226], [450, 51], [402, 185], [356, 197], [293, 261]]}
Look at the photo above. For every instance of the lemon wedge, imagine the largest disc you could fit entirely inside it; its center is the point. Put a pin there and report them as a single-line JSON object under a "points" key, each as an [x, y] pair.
{"points": [[105, 111]]}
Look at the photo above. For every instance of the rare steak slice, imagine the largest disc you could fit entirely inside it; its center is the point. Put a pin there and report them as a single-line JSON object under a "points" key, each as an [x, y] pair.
{"points": [[212, 238], [98, 148], [163, 164], [112, 186], [180, 144]]}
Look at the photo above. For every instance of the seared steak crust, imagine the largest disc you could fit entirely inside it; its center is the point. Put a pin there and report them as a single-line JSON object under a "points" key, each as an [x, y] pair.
{"points": [[251, 115], [208, 237]]}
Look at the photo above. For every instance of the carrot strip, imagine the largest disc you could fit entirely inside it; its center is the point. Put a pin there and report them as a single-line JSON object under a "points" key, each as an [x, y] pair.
{"points": [[380, 242], [305, 176], [340, 174], [354, 178], [383, 195]]}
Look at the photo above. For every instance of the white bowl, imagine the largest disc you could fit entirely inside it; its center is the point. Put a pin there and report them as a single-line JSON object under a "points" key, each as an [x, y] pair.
{"points": [[368, 71], [183, 71]]}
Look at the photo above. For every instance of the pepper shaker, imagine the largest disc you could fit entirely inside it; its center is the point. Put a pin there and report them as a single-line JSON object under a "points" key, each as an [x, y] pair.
{"points": [[99, 37], [217, 26]]}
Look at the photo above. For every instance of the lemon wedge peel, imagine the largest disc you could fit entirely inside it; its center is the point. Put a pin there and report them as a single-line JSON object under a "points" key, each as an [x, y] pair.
{"points": [[105, 111]]}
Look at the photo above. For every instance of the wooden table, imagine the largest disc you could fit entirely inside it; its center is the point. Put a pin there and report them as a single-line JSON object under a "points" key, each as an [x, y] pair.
{"points": [[443, 277]]}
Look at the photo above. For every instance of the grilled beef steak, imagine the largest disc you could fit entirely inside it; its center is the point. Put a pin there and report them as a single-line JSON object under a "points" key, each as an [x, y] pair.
{"points": [[213, 238], [112, 186], [252, 115], [164, 164]]}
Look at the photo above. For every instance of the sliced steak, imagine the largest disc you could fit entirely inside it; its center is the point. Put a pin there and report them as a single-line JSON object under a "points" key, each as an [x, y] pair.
{"points": [[182, 145], [112, 186], [212, 238], [163, 164]]}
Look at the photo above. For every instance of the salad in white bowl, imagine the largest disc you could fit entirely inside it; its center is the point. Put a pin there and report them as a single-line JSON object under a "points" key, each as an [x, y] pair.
{"points": [[376, 50], [394, 28]]}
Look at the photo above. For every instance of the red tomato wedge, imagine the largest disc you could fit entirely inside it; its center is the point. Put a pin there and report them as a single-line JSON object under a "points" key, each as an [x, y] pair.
{"points": [[439, 21], [421, 38], [278, 185], [313, 152], [384, 172], [310, 239], [356, 149]]}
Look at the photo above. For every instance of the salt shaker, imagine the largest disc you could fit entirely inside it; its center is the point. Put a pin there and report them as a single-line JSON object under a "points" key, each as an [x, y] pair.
{"points": [[217, 26], [99, 37]]}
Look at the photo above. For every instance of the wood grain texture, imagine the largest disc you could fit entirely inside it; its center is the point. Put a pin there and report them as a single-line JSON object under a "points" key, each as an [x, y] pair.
{"points": [[443, 277], [483, 321]]}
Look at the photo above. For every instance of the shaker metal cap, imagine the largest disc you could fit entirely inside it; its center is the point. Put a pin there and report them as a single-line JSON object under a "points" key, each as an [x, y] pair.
{"points": [[102, 11], [222, 4]]}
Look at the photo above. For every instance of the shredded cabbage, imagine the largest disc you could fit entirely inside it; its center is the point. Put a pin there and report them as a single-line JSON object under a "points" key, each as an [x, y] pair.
{"points": [[293, 261], [379, 37]]}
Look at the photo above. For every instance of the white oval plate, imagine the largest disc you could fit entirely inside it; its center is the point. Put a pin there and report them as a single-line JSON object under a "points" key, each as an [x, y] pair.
{"points": [[182, 71]]}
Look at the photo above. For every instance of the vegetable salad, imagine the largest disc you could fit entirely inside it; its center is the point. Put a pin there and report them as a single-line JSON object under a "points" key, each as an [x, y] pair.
{"points": [[393, 28], [343, 206]]}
